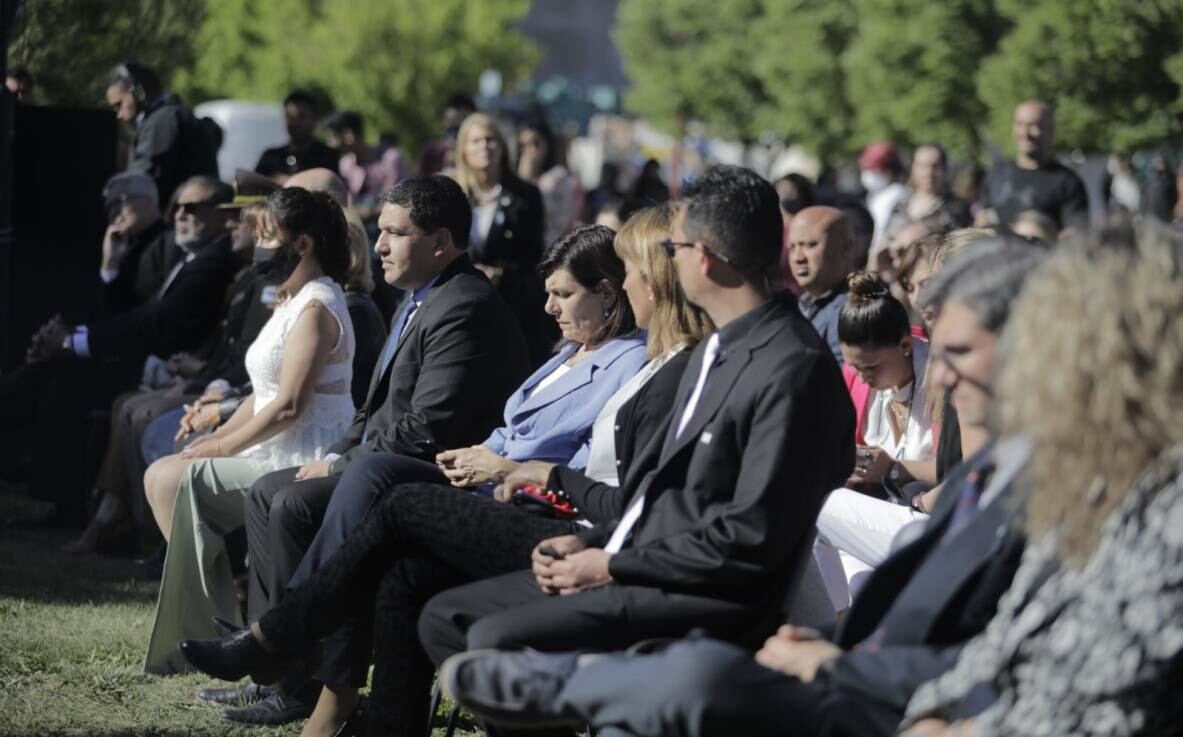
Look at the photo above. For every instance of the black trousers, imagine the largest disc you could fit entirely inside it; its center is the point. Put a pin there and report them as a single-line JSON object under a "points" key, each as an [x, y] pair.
{"points": [[417, 541], [705, 688]]}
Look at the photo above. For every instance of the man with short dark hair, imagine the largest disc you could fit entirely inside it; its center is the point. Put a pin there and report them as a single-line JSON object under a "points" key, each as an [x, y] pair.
{"points": [[170, 144], [455, 353], [1035, 180], [302, 151], [906, 626], [722, 501], [821, 248]]}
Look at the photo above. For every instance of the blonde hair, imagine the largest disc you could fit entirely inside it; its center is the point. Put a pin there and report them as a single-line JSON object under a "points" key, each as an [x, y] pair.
{"points": [[675, 321], [1099, 391], [360, 277], [464, 175], [935, 253]]}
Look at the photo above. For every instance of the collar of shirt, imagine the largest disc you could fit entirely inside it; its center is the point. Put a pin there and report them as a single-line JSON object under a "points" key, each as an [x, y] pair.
{"points": [[811, 305], [737, 329], [1009, 456], [421, 293]]}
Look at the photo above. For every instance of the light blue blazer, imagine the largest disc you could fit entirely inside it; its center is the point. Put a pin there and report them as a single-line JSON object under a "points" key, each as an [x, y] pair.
{"points": [[555, 424]]}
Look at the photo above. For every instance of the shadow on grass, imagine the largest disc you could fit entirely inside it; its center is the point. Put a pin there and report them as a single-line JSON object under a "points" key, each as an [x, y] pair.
{"points": [[32, 566]]}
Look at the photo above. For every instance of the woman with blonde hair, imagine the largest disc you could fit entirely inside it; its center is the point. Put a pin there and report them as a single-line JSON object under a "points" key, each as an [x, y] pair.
{"points": [[1089, 639], [507, 228], [369, 328], [391, 566]]}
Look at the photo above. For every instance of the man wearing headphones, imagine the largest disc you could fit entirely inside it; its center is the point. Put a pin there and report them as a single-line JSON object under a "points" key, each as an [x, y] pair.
{"points": [[170, 144]]}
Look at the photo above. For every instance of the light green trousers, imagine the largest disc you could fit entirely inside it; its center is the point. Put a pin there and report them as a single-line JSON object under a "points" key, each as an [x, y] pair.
{"points": [[197, 584]]}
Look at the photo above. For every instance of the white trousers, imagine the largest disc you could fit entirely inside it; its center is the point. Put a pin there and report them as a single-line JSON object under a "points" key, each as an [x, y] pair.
{"points": [[855, 533]]}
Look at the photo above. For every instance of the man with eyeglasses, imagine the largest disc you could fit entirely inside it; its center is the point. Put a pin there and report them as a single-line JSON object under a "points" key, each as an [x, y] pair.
{"points": [[720, 507], [906, 626], [73, 370]]}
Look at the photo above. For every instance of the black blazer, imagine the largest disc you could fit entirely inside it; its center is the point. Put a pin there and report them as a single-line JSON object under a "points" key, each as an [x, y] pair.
{"points": [[151, 255], [731, 503], [459, 359], [369, 335], [515, 244], [637, 420], [929, 600], [177, 321]]}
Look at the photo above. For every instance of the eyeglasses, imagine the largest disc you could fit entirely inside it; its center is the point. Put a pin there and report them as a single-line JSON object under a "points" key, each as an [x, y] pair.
{"points": [[192, 208], [671, 246]]}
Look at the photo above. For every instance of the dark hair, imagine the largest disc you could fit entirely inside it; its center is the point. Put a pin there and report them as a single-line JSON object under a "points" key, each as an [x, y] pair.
{"points": [[871, 316], [314, 214], [804, 198], [459, 101], [301, 98], [548, 137], [129, 75], [587, 252], [941, 155], [736, 212], [435, 202], [346, 120]]}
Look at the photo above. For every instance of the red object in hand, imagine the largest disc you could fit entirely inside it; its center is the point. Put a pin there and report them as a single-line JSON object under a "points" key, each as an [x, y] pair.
{"points": [[557, 501]]}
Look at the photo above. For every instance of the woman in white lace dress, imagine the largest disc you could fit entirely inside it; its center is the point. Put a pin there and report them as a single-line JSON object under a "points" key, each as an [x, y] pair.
{"points": [[300, 368]]}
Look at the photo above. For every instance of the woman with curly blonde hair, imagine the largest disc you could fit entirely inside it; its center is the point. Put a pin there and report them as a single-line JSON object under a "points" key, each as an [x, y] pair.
{"points": [[1089, 638]]}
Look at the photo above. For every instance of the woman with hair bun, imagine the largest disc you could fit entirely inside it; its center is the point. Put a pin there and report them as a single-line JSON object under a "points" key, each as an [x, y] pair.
{"points": [[301, 369], [884, 368]]}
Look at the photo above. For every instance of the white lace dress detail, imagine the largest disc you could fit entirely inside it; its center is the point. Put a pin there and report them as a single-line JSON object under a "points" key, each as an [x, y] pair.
{"points": [[330, 409]]}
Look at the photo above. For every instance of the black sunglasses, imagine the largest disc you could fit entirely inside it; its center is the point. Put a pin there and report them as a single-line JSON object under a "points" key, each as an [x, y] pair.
{"points": [[671, 246], [192, 208]]}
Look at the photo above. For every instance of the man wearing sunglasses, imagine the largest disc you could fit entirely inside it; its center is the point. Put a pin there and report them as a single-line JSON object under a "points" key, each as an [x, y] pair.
{"points": [[73, 370]]}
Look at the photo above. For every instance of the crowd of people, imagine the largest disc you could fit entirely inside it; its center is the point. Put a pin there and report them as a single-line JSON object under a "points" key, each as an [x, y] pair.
{"points": [[762, 459]]}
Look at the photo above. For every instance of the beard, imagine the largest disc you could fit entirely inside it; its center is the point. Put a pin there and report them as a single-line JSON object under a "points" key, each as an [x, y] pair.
{"points": [[189, 236]]}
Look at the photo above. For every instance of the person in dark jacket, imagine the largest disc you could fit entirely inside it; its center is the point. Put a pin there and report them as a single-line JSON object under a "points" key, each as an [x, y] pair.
{"points": [[170, 144]]}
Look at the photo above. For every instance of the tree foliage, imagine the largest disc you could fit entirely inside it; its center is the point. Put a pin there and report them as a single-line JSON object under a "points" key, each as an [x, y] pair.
{"points": [[832, 76], [1113, 68], [392, 60], [71, 47], [693, 59]]}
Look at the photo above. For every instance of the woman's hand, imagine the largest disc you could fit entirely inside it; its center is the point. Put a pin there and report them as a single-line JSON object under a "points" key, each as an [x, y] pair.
{"points": [[797, 651], [474, 466], [530, 473], [207, 447], [199, 417], [871, 464]]}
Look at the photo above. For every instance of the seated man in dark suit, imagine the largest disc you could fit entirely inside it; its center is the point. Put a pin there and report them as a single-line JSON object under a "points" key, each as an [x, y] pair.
{"points": [[455, 353], [138, 249], [907, 625], [759, 432], [73, 370]]}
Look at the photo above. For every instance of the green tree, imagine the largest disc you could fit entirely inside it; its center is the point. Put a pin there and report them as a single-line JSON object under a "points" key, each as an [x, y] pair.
{"points": [[799, 45], [70, 47], [693, 60], [911, 71], [1112, 68], [392, 60]]}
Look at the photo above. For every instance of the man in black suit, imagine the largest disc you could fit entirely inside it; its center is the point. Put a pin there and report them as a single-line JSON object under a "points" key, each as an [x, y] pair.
{"points": [[73, 370], [761, 430], [907, 625], [455, 353]]}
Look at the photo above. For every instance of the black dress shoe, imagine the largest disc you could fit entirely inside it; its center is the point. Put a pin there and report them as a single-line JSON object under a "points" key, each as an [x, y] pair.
{"points": [[226, 627], [248, 693], [238, 655], [275, 709]]}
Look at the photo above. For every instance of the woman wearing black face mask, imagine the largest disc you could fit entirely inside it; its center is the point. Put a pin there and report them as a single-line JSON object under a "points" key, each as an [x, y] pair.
{"points": [[301, 371]]}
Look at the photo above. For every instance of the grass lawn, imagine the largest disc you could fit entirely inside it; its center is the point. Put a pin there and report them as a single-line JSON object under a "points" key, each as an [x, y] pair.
{"points": [[72, 636]]}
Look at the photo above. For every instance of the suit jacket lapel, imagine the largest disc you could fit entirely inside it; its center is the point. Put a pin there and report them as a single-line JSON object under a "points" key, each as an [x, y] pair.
{"points": [[718, 386]]}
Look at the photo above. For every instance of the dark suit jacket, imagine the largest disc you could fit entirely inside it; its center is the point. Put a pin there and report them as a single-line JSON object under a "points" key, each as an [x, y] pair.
{"points": [[637, 420], [150, 257], [515, 244], [243, 315], [455, 364], [731, 503], [178, 320], [929, 600]]}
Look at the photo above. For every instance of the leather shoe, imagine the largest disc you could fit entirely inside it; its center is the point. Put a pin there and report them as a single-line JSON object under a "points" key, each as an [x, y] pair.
{"points": [[275, 709], [238, 655], [248, 693], [225, 626], [515, 689]]}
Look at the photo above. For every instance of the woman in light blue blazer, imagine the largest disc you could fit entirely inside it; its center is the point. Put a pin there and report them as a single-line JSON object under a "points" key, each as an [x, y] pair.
{"points": [[550, 416]]}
